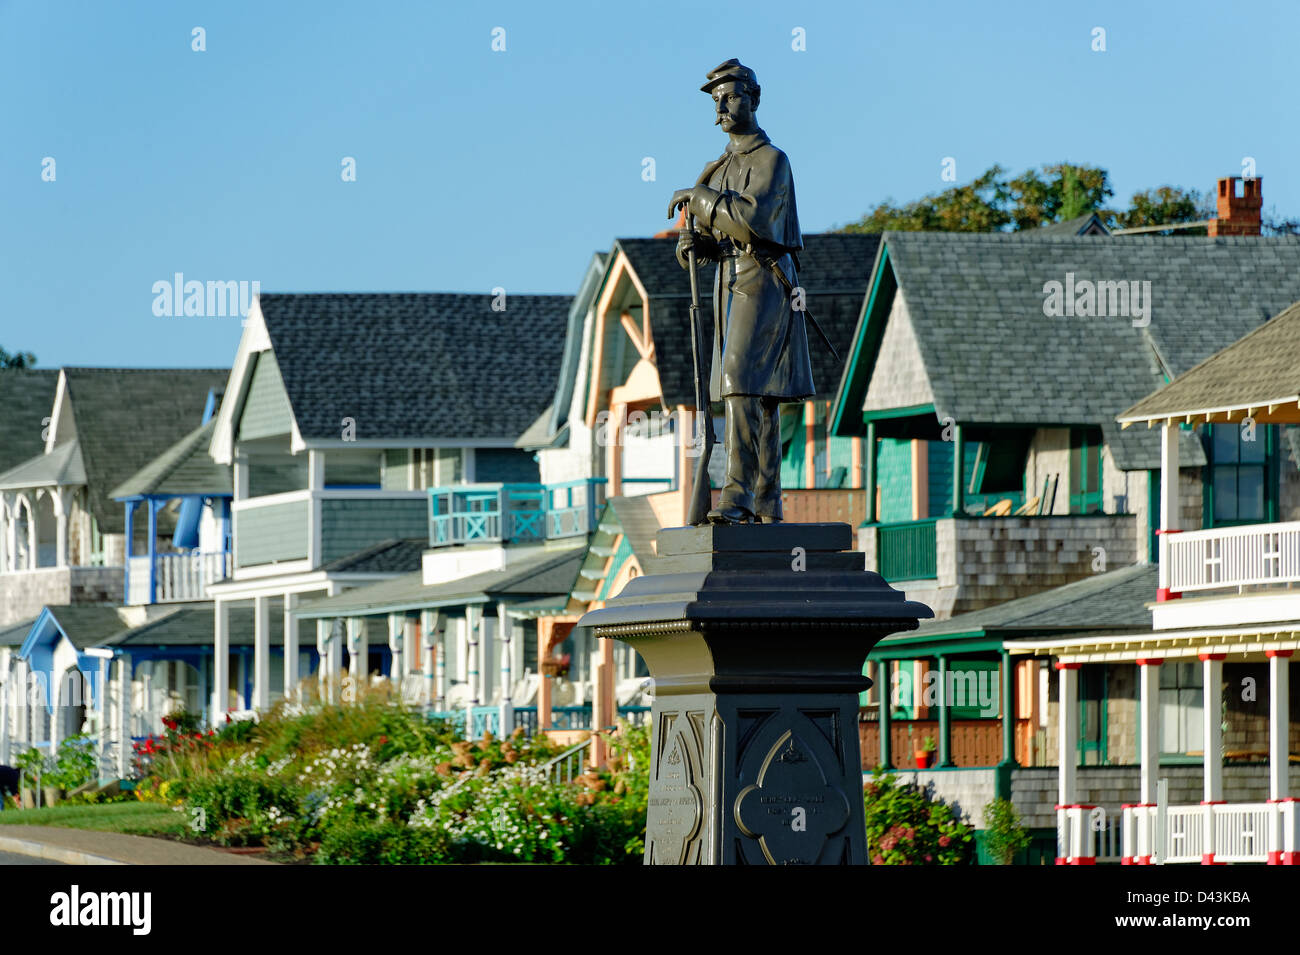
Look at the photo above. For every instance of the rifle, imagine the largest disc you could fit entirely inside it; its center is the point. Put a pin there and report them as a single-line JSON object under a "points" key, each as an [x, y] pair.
{"points": [[701, 498]]}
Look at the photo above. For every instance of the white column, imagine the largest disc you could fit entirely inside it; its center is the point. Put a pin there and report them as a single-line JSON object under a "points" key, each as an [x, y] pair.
{"points": [[59, 500], [146, 697], [335, 661], [123, 716], [101, 708], [1279, 723], [1068, 726], [241, 681], [220, 661], [396, 639], [1149, 727], [5, 523], [261, 653], [507, 714], [438, 626], [430, 666], [359, 653], [1169, 516], [290, 647], [1212, 716], [471, 657], [5, 692], [322, 655], [33, 555]]}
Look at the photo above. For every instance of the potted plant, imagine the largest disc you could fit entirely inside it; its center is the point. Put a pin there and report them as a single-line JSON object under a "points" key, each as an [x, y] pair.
{"points": [[925, 754]]}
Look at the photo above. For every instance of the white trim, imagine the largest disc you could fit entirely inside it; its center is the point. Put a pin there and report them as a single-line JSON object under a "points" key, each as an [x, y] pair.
{"points": [[272, 584], [1202, 412], [60, 396], [253, 341], [270, 500]]}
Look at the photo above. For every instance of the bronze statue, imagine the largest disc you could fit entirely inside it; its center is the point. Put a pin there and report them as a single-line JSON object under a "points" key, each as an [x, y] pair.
{"points": [[744, 201]]}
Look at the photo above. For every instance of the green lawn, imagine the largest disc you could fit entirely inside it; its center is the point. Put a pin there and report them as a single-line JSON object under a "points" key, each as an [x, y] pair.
{"points": [[137, 818]]}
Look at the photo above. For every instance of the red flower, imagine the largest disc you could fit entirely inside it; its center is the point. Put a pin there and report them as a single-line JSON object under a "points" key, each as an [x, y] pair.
{"points": [[383, 740]]}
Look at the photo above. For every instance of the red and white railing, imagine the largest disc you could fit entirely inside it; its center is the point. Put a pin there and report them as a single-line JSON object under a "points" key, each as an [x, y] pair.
{"points": [[1212, 833]]}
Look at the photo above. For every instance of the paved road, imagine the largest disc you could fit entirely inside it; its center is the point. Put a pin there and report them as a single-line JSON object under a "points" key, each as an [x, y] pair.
{"points": [[13, 858]]}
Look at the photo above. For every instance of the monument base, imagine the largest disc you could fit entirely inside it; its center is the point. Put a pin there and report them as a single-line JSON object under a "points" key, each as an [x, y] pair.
{"points": [[756, 636]]}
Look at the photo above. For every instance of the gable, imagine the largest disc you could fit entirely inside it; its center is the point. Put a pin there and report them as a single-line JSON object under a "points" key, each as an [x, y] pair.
{"points": [[898, 378], [266, 410]]}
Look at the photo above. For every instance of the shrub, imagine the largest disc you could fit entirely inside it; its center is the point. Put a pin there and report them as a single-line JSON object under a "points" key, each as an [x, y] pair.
{"points": [[382, 843], [75, 763], [1004, 836], [241, 808], [906, 827]]}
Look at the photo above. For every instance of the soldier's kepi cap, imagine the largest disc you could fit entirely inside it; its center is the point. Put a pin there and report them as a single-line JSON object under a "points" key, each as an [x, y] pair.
{"points": [[732, 71]]}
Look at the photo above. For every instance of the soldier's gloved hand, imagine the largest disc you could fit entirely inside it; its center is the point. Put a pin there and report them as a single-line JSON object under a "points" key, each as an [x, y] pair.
{"points": [[706, 249], [682, 197]]}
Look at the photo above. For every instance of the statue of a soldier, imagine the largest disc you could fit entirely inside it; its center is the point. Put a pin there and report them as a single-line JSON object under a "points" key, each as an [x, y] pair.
{"points": [[744, 205]]}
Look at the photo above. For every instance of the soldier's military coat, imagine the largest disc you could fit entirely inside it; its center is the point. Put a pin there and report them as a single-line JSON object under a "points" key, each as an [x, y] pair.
{"points": [[745, 199]]}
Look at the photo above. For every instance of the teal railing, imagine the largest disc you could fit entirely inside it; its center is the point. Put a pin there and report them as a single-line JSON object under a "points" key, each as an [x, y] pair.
{"points": [[907, 550], [469, 513]]}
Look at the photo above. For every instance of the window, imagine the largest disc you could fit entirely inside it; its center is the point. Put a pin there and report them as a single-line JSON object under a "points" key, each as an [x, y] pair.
{"points": [[1181, 703], [1092, 715], [1242, 483], [1085, 470]]}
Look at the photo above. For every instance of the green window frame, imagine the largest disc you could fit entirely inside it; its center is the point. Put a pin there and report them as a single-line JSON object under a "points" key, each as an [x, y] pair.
{"points": [[1241, 477], [1182, 701], [1094, 694]]}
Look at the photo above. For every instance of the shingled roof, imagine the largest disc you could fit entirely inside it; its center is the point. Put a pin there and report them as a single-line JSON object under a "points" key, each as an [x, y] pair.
{"points": [[408, 366], [26, 400], [976, 303], [545, 573], [1260, 372], [127, 417], [184, 468], [1113, 601], [835, 270]]}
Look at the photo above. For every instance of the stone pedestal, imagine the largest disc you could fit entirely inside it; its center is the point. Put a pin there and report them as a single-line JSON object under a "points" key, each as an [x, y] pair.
{"points": [[756, 636]]}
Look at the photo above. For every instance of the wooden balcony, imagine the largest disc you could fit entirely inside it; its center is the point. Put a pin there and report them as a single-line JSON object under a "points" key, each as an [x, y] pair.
{"points": [[496, 513]]}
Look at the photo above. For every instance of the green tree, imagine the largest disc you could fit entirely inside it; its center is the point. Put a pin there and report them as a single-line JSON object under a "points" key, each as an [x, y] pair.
{"points": [[1163, 206], [993, 202], [22, 359]]}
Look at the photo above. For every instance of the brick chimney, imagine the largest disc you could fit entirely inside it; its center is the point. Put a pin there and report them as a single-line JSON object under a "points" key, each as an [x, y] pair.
{"points": [[1239, 204]]}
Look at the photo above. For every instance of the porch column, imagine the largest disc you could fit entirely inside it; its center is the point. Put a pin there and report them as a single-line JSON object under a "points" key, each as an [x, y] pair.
{"points": [[396, 642], [504, 635], [261, 653], [614, 427], [471, 659], [153, 550], [1169, 517], [869, 467], [4, 533], [60, 499], [126, 547], [432, 664], [290, 647], [323, 676], [545, 628], [33, 555], [1067, 721], [220, 661], [123, 715], [1212, 722], [886, 699], [1149, 726], [5, 692], [1212, 730], [945, 718], [1008, 711], [958, 473], [358, 657], [1279, 723]]}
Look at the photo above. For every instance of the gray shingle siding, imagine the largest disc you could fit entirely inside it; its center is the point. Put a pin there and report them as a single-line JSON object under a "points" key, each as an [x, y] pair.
{"points": [[266, 409], [348, 526], [271, 533]]}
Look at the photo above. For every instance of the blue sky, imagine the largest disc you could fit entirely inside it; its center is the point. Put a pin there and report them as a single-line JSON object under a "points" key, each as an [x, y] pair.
{"points": [[477, 169]]}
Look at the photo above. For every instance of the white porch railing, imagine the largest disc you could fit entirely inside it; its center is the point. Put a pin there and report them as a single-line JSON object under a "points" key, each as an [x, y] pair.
{"points": [[1213, 833], [179, 577], [1233, 556]]}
